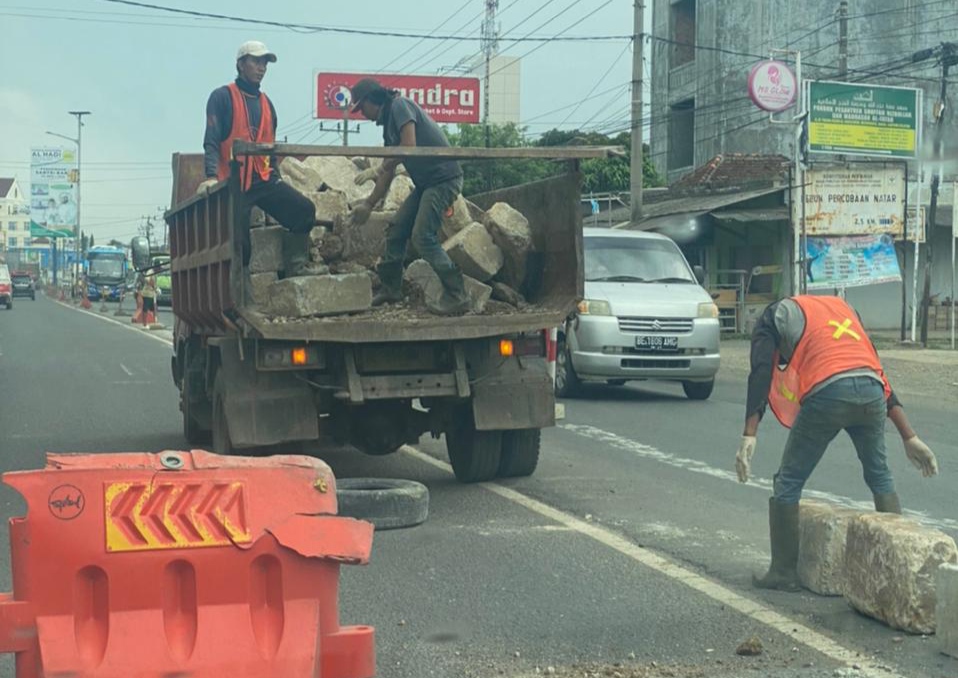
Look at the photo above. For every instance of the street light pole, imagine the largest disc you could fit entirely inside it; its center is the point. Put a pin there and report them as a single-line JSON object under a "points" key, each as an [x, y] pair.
{"points": [[76, 231]]}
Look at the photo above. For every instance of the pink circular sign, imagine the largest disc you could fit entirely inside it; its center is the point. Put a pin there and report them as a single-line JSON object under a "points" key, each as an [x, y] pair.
{"points": [[772, 86]]}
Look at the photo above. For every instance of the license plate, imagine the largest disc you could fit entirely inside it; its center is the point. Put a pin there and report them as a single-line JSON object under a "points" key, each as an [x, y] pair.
{"points": [[654, 343]]}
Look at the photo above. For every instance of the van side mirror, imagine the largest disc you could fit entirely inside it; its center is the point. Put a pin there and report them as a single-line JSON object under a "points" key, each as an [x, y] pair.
{"points": [[141, 253], [699, 274]]}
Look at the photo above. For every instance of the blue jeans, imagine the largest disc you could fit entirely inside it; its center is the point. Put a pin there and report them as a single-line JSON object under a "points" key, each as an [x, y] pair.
{"points": [[419, 219], [855, 404]]}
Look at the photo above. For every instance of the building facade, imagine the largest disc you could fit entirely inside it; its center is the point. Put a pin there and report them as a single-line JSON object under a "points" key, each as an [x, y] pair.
{"points": [[702, 52], [14, 216]]}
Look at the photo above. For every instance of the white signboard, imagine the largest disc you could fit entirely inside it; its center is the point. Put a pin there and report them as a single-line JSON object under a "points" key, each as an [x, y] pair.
{"points": [[856, 201]]}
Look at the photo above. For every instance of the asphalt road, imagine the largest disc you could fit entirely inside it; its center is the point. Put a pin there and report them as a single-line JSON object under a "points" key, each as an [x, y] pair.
{"points": [[633, 543]]}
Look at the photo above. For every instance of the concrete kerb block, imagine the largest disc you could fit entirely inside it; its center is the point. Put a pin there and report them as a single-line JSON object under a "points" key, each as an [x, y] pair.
{"points": [[420, 275], [474, 252], [319, 295], [266, 249], [891, 566], [823, 531], [946, 609]]}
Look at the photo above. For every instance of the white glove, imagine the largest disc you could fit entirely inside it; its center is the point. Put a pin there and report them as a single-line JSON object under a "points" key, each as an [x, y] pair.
{"points": [[367, 175], [921, 456], [360, 214], [206, 186], [743, 458]]}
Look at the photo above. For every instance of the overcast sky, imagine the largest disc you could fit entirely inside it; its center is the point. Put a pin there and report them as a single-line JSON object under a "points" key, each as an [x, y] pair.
{"points": [[146, 75]]}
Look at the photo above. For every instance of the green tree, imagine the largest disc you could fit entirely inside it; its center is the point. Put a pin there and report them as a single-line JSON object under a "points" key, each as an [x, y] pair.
{"points": [[480, 176], [606, 175]]}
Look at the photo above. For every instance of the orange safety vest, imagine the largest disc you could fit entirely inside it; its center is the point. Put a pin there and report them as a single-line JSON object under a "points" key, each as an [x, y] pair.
{"points": [[241, 130], [833, 342]]}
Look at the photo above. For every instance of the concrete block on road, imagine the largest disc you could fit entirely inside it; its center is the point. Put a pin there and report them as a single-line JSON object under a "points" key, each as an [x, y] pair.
{"points": [[474, 252], [823, 530], [891, 565], [420, 276], [319, 295], [946, 610], [266, 249], [510, 231]]}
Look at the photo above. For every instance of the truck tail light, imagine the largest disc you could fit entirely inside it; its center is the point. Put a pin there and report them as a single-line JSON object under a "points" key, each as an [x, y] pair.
{"points": [[523, 345], [299, 356]]}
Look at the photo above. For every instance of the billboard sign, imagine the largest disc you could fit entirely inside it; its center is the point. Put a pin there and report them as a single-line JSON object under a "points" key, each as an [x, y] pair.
{"points": [[850, 261], [855, 201], [444, 99], [863, 119], [772, 86], [53, 179]]}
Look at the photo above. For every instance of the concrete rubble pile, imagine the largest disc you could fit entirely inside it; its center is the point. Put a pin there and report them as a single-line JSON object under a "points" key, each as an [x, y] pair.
{"points": [[491, 248]]}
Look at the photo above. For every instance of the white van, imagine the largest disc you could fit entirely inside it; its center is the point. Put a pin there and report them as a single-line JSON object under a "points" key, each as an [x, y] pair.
{"points": [[645, 315]]}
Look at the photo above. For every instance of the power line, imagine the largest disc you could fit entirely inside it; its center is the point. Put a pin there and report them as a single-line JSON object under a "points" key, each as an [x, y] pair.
{"points": [[315, 28], [409, 49], [598, 82]]}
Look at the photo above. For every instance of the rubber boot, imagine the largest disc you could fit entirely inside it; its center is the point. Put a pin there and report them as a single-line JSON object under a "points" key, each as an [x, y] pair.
{"points": [[454, 299], [783, 533], [887, 503], [296, 255], [390, 291]]}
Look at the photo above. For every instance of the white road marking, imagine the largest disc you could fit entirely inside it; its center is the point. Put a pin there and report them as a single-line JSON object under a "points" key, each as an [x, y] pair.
{"points": [[126, 369], [648, 452], [750, 608], [126, 326]]}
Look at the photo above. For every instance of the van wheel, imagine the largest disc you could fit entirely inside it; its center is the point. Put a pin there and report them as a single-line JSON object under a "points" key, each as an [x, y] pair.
{"points": [[567, 381], [615, 382], [520, 453], [474, 455], [221, 432], [698, 390]]}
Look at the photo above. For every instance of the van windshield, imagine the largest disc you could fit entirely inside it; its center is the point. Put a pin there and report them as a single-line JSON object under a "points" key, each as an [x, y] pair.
{"points": [[635, 260]]}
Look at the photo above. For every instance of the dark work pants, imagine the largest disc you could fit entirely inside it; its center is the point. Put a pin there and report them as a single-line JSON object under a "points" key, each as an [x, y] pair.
{"points": [[419, 219], [293, 210]]}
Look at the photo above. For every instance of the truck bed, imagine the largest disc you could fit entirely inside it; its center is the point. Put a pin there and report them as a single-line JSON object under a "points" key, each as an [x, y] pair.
{"points": [[210, 289]]}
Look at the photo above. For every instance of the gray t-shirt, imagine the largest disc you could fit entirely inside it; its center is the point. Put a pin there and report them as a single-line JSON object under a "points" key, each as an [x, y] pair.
{"points": [[424, 172]]}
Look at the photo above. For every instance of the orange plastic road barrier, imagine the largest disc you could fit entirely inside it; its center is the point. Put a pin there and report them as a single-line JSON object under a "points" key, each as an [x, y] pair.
{"points": [[182, 564]]}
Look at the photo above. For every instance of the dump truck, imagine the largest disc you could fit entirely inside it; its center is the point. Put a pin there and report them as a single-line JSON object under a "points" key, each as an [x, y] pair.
{"points": [[379, 378]]}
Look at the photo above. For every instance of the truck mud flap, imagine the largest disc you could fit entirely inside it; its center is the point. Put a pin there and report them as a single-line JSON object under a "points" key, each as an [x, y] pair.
{"points": [[516, 400], [264, 408]]}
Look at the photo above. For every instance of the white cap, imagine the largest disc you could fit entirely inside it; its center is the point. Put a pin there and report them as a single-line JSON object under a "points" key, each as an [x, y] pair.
{"points": [[255, 48]]}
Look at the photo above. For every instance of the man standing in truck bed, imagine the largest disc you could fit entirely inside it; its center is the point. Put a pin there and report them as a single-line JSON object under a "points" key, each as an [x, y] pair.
{"points": [[438, 183], [242, 111]]}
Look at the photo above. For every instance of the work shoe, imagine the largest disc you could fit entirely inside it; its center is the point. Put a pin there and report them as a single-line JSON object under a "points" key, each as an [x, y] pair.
{"points": [[296, 256], [887, 503], [454, 299], [782, 575], [390, 290]]}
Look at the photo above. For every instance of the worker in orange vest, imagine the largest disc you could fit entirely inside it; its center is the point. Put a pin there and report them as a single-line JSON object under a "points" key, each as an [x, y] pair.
{"points": [[813, 363], [242, 111]]}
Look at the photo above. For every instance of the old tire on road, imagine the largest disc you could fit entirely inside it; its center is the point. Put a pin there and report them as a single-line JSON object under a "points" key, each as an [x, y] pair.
{"points": [[520, 452], [387, 503]]}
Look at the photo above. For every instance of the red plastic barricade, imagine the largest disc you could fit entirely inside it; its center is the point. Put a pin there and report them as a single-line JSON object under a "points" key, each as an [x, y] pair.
{"points": [[183, 564]]}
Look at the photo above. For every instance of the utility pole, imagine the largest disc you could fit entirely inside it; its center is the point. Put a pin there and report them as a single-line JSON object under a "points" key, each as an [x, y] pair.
{"points": [[638, 42], [76, 240], [489, 44], [949, 57], [842, 39]]}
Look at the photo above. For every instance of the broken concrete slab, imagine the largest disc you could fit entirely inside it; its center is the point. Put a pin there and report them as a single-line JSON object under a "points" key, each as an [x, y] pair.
{"points": [[891, 565], [266, 249], [300, 176], [946, 609], [823, 530], [342, 267], [460, 218], [365, 244], [320, 295], [510, 231], [339, 174], [260, 284], [330, 204], [502, 292], [400, 189], [424, 281], [474, 252]]}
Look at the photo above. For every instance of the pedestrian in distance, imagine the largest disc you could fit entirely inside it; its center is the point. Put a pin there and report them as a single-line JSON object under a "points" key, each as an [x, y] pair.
{"points": [[813, 363], [148, 295], [437, 183], [242, 111]]}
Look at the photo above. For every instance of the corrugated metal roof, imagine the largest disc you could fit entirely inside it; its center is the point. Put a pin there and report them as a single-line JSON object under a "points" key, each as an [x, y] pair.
{"points": [[704, 203]]}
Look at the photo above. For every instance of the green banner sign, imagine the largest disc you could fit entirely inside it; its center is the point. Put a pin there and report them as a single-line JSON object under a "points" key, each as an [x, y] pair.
{"points": [[863, 119]]}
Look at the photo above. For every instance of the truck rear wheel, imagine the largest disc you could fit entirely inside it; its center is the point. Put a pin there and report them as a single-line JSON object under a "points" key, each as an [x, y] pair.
{"points": [[520, 452], [193, 398], [474, 455], [221, 432]]}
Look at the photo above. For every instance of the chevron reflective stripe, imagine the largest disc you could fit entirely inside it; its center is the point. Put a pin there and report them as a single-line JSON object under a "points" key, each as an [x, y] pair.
{"points": [[164, 515]]}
